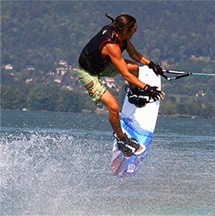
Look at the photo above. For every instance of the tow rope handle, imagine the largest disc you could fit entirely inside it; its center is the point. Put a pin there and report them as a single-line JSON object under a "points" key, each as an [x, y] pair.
{"points": [[180, 74]]}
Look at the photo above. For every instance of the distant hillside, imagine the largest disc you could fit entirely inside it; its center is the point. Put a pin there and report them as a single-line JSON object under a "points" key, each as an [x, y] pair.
{"points": [[37, 35]]}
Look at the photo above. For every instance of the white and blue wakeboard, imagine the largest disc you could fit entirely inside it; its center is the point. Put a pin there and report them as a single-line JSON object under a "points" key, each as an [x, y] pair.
{"points": [[138, 123]]}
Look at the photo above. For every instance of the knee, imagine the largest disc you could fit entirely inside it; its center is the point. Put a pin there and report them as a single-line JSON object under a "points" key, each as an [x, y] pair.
{"points": [[134, 69]]}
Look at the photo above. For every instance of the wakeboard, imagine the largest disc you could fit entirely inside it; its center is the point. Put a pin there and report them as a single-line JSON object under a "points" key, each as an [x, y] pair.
{"points": [[138, 123]]}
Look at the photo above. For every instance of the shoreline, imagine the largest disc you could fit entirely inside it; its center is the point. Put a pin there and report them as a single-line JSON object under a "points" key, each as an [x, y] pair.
{"points": [[104, 112]]}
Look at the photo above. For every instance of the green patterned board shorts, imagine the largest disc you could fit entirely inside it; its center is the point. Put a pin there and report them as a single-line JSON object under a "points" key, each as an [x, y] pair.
{"points": [[93, 83]]}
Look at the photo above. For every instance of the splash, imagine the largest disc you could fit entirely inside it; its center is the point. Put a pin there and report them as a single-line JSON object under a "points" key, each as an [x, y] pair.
{"points": [[46, 172]]}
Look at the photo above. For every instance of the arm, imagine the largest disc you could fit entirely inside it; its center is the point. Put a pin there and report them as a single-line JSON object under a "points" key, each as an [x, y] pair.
{"points": [[114, 52], [135, 55]]}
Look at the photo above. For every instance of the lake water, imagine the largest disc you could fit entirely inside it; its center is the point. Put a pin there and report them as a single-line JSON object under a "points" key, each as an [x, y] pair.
{"points": [[60, 164]]}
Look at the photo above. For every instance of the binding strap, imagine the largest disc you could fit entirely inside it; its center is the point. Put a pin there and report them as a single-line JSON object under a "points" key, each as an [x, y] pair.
{"points": [[137, 97]]}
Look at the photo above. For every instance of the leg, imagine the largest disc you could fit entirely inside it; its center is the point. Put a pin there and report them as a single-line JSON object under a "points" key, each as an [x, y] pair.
{"points": [[112, 105], [98, 92], [128, 146], [134, 69]]}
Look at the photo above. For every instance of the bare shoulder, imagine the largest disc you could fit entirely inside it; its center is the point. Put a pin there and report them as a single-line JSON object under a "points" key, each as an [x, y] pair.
{"points": [[111, 49]]}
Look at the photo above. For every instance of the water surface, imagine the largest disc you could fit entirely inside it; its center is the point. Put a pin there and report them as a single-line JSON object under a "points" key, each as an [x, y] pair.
{"points": [[60, 164]]}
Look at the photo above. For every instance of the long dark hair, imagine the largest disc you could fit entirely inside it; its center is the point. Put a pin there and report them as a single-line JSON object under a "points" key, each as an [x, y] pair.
{"points": [[121, 22]]}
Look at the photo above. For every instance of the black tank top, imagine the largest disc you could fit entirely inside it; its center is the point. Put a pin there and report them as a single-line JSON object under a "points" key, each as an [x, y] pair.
{"points": [[91, 58]]}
